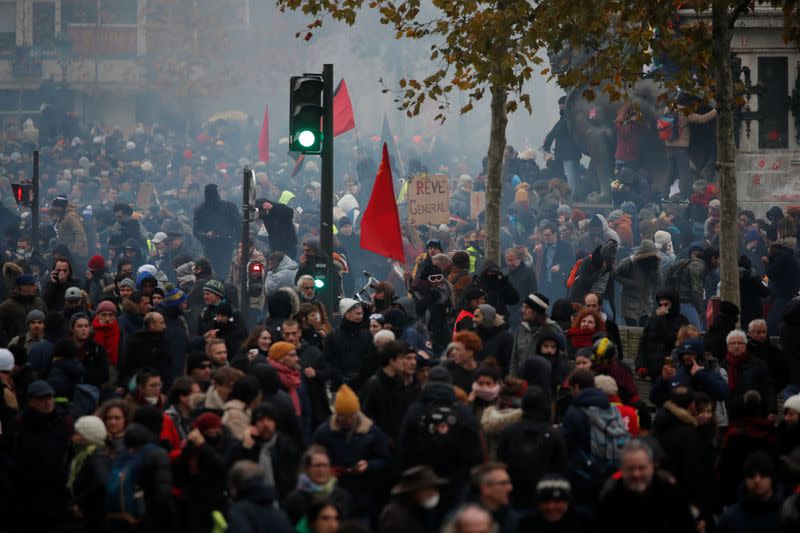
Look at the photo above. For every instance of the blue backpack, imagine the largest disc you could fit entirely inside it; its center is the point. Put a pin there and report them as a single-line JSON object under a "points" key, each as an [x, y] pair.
{"points": [[124, 495]]}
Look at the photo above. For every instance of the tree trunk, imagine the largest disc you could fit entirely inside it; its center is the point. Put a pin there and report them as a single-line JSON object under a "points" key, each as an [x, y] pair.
{"points": [[726, 151], [494, 170]]}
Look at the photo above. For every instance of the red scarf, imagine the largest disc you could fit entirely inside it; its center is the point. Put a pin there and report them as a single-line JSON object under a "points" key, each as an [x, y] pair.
{"points": [[290, 378], [734, 365], [107, 336], [580, 338]]}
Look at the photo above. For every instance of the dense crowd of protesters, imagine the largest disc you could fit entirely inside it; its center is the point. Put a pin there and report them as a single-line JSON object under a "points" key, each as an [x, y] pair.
{"points": [[443, 392]]}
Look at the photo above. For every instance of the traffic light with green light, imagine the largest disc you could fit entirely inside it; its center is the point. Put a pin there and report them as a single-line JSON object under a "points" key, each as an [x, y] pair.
{"points": [[305, 113]]}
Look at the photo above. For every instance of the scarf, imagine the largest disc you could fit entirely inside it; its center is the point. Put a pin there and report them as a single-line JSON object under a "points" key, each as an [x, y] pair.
{"points": [[487, 394], [265, 460], [305, 484], [77, 465], [734, 367], [580, 338], [107, 336], [290, 379]]}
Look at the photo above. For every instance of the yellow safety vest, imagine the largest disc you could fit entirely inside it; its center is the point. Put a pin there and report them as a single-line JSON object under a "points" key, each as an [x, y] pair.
{"points": [[286, 197]]}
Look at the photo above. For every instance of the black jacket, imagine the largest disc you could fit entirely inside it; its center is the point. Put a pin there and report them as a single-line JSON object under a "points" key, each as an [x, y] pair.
{"points": [[751, 291], [790, 339], [498, 342], [146, 349], [346, 350], [280, 226], [383, 399], [675, 429], [285, 457], [775, 359], [753, 374], [658, 336], [254, 511], [499, 290], [311, 356]]}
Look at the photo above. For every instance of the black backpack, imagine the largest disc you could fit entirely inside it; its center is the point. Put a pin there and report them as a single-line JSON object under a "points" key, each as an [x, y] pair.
{"points": [[437, 432]]}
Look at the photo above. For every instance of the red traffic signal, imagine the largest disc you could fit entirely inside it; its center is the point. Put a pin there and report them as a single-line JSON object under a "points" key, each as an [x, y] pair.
{"points": [[255, 278], [23, 194]]}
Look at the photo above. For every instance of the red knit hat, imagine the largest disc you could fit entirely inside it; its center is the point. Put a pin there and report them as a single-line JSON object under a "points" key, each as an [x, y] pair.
{"points": [[207, 421], [97, 263]]}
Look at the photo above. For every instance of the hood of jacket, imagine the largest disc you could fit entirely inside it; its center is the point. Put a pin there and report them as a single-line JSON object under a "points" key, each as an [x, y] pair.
{"points": [[437, 393], [287, 263], [672, 296], [591, 397], [255, 491], [283, 303], [671, 413]]}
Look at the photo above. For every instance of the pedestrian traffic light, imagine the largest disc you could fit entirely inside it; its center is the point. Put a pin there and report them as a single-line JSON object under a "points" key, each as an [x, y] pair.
{"points": [[305, 113], [255, 278], [23, 193]]}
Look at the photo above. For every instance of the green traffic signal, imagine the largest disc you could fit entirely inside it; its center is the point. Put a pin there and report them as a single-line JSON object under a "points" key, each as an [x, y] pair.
{"points": [[307, 138]]}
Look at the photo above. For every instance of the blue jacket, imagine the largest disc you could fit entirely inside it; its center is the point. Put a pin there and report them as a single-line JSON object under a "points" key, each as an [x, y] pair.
{"points": [[707, 380], [751, 515], [575, 423], [346, 448]]}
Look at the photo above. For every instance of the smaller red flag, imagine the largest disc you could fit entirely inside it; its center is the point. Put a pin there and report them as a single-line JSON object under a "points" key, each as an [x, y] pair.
{"points": [[343, 119], [380, 223], [263, 139]]}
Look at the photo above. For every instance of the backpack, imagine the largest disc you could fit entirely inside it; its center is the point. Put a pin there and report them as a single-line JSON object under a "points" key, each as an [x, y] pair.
{"points": [[437, 432], [607, 436], [573, 274], [673, 276], [124, 495], [531, 455], [667, 126]]}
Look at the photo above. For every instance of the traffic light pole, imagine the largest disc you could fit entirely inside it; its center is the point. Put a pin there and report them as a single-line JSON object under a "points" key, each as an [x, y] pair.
{"points": [[326, 207], [244, 297], [35, 206]]}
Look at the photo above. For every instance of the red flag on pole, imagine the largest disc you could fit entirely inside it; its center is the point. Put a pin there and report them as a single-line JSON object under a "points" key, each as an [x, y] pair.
{"points": [[343, 119], [263, 139], [380, 223]]}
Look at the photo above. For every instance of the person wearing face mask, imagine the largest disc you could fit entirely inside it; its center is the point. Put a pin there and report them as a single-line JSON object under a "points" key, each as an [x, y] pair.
{"points": [[414, 502], [148, 390], [433, 299], [493, 403]]}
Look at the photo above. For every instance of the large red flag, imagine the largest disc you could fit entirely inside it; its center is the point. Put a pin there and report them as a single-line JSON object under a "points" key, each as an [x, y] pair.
{"points": [[263, 139], [380, 223], [343, 119]]}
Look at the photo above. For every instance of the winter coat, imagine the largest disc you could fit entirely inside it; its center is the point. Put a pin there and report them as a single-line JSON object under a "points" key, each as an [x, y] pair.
{"points": [[285, 456], [316, 389], [254, 511], [790, 339], [402, 515], [553, 284], [691, 275], [751, 290], [221, 217], [661, 508], [130, 321], [498, 342], [743, 437], [774, 357], [236, 418], [283, 276], [783, 270], [499, 291], [280, 227], [177, 334], [200, 474], [623, 377], [14, 312], [750, 514], [566, 147], [347, 349], [530, 449], [589, 271], [675, 430], [41, 445], [714, 340], [89, 489], [345, 448], [639, 287], [383, 400], [753, 374], [575, 423], [658, 336], [709, 380], [234, 276], [147, 349], [527, 339], [72, 234], [460, 203]]}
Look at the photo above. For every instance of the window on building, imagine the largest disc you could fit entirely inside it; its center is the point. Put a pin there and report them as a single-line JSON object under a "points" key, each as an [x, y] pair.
{"points": [[8, 25], [99, 12], [44, 24], [773, 128]]}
